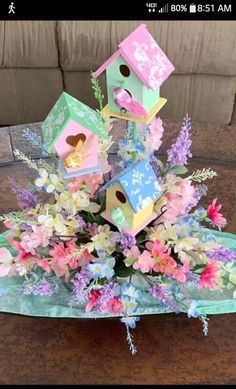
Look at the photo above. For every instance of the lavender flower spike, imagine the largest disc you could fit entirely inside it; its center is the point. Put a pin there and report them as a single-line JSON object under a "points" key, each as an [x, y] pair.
{"points": [[162, 294], [125, 240], [25, 198], [179, 152], [223, 254]]}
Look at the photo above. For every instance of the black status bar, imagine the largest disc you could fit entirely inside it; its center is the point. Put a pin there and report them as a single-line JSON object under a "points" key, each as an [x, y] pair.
{"points": [[118, 10]]}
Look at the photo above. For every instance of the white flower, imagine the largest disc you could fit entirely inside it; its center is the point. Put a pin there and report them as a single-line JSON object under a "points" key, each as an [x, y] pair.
{"points": [[50, 181], [42, 179], [54, 183]]}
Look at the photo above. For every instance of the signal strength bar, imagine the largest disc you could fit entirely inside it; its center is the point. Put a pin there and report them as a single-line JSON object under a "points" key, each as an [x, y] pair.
{"points": [[164, 9]]}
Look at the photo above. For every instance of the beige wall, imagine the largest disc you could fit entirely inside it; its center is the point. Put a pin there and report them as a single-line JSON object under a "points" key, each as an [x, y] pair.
{"points": [[38, 59]]}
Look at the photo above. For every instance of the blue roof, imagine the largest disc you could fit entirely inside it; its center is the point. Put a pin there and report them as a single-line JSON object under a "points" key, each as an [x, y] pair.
{"points": [[139, 183]]}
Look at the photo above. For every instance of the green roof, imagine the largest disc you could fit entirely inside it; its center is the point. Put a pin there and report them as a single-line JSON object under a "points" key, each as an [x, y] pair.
{"points": [[66, 108]]}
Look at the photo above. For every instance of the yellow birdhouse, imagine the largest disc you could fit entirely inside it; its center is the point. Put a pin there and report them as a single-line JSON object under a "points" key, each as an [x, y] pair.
{"points": [[130, 198]]}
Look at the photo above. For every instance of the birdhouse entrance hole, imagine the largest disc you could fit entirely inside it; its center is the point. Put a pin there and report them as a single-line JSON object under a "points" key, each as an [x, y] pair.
{"points": [[124, 70], [121, 197], [73, 140]]}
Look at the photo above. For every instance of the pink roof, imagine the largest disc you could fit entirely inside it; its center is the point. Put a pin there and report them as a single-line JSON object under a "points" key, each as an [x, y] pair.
{"points": [[144, 56]]}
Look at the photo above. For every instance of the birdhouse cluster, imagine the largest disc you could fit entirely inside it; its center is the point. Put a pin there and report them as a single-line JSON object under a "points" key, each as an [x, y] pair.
{"points": [[134, 75]]}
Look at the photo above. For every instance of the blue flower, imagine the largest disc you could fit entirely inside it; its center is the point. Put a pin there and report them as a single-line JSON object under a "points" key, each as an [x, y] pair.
{"points": [[110, 261], [177, 292], [101, 253], [192, 309], [138, 147], [99, 270], [129, 304], [129, 290], [130, 321], [184, 230], [200, 213]]}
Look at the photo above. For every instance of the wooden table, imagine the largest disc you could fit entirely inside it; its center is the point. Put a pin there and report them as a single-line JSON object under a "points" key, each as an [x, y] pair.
{"points": [[171, 348]]}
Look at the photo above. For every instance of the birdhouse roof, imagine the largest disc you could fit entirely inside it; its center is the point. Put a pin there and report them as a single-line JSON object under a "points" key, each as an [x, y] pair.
{"points": [[67, 107], [144, 56], [139, 183]]}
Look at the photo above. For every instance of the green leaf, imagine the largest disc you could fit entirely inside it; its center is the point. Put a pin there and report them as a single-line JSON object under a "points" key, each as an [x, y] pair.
{"points": [[160, 164], [178, 169], [121, 270]]}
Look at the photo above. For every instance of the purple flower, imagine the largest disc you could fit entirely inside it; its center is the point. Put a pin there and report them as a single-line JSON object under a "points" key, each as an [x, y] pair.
{"points": [[179, 152], [200, 191], [81, 223], [108, 292], [79, 295], [223, 254], [25, 227], [44, 288], [191, 277], [25, 198], [163, 294], [155, 167], [125, 240], [41, 288]]}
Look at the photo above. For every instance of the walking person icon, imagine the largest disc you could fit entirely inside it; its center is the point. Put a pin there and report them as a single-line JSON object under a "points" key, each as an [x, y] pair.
{"points": [[11, 8]]}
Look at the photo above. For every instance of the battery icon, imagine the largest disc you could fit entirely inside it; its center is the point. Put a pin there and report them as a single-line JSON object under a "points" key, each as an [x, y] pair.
{"points": [[192, 8]]}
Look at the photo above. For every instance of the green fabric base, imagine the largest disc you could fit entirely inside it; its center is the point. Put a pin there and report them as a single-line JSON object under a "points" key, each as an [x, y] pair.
{"points": [[209, 302]]}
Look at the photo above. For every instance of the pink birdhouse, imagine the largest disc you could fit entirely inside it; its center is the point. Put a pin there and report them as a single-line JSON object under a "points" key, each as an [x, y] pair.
{"points": [[134, 75]]}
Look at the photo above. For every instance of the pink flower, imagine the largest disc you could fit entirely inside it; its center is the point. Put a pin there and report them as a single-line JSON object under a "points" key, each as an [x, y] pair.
{"points": [[154, 133], [133, 252], [178, 201], [84, 258], [6, 262], [44, 264], [158, 249], [92, 182], [29, 242], [180, 274], [145, 262], [42, 235], [93, 297], [59, 261], [216, 217], [8, 224], [115, 305], [22, 254], [106, 168], [209, 276], [164, 263], [167, 266]]}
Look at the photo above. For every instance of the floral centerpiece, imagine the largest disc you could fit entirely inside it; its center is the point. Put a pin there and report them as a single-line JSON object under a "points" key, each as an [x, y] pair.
{"points": [[63, 240]]}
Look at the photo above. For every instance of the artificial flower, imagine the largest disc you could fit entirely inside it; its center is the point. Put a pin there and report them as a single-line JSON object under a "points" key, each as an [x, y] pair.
{"points": [[210, 276], [6, 262], [145, 262], [215, 216]]}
